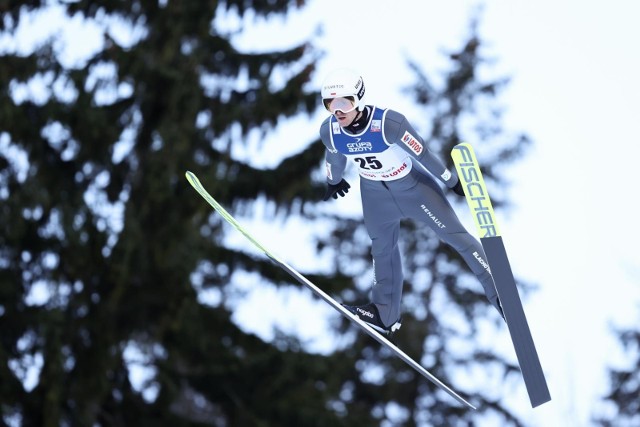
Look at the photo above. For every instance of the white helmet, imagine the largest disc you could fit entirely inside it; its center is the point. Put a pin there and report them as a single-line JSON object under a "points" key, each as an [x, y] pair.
{"points": [[343, 83]]}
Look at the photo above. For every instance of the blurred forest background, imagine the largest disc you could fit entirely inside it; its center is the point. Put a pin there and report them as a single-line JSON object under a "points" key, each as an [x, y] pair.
{"points": [[105, 249]]}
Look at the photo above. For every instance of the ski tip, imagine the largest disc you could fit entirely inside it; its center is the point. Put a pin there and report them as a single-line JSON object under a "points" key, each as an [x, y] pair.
{"points": [[191, 177]]}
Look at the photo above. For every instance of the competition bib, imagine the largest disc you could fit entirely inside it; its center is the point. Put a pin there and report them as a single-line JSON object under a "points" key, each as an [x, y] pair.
{"points": [[374, 157]]}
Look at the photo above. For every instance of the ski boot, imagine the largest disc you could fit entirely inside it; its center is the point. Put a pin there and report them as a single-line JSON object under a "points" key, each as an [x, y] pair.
{"points": [[369, 314]]}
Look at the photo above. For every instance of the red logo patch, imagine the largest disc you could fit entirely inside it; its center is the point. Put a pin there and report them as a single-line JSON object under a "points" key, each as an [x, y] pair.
{"points": [[412, 143]]}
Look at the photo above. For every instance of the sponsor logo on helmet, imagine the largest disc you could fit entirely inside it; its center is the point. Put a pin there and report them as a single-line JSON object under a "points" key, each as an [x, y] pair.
{"points": [[412, 143], [360, 92]]}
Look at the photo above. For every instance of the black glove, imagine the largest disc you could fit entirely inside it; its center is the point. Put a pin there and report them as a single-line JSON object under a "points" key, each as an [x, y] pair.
{"points": [[339, 189], [458, 188]]}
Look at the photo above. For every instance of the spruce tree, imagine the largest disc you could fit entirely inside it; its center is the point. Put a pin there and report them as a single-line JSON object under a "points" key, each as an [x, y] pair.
{"points": [[99, 221], [96, 216], [624, 386]]}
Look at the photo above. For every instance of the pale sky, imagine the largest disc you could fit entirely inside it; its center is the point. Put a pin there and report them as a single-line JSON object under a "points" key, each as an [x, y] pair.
{"points": [[572, 227]]}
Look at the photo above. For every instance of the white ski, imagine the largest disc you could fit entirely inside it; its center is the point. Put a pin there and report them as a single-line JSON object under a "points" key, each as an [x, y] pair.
{"points": [[193, 180]]}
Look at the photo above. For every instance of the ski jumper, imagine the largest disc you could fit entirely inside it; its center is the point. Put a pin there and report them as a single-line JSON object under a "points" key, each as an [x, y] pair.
{"points": [[397, 181]]}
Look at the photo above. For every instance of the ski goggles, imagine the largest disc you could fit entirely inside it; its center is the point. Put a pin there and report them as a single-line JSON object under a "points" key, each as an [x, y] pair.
{"points": [[345, 105]]}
